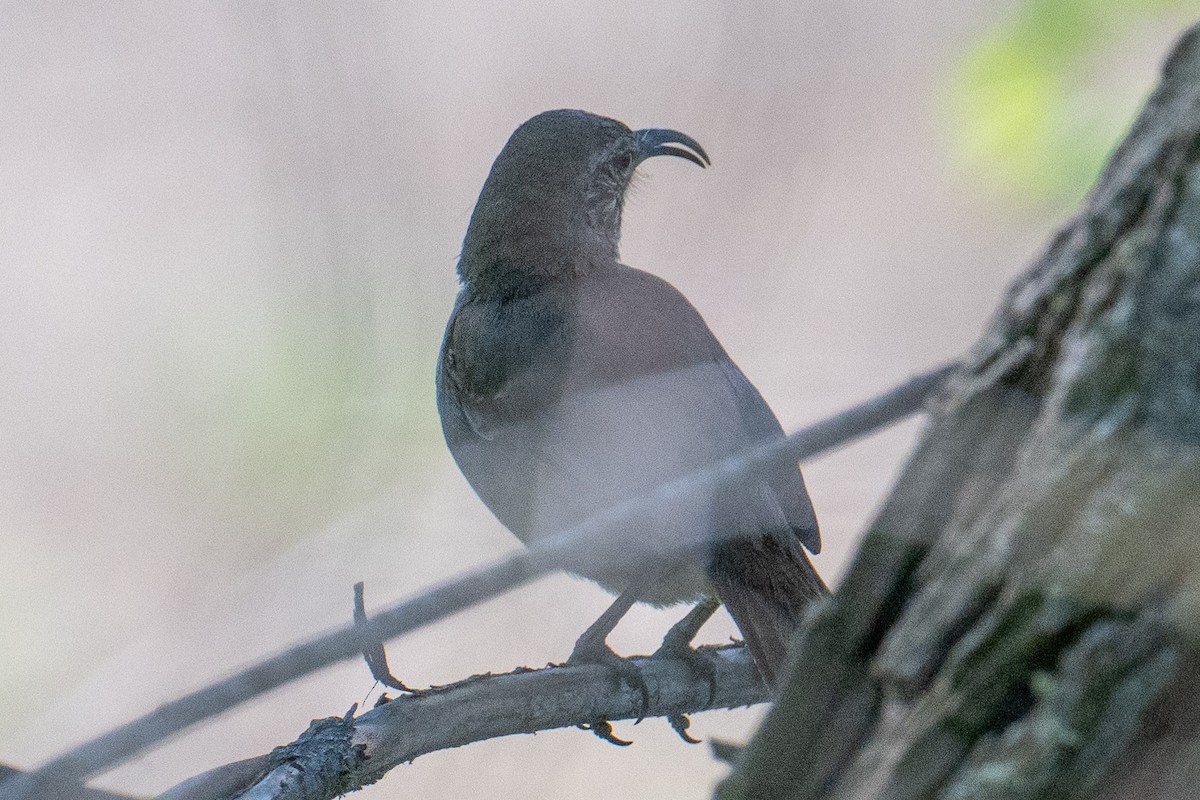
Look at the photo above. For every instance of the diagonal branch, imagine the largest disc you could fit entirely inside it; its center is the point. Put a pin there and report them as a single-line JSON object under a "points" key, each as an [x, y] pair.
{"points": [[606, 535], [337, 755]]}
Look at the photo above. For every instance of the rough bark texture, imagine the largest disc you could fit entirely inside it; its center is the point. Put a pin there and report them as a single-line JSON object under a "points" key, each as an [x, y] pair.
{"points": [[1021, 621], [337, 755]]}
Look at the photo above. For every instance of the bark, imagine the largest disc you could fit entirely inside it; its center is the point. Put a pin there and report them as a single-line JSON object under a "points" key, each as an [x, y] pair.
{"points": [[1021, 619], [337, 755]]}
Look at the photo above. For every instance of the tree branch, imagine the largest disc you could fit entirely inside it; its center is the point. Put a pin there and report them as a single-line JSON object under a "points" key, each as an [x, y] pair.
{"points": [[610, 535], [337, 755]]}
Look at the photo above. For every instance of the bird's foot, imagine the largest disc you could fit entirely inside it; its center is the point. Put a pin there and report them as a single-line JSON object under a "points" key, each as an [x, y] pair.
{"points": [[698, 662], [592, 650], [677, 644]]}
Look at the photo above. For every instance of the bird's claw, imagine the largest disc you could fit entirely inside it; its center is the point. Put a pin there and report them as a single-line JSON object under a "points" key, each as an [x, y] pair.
{"points": [[680, 724], [588, 651], [603, 729]]}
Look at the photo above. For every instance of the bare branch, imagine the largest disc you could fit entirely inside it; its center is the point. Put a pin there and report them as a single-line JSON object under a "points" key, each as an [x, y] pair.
{"points": [[337, 755], [605, 535]]}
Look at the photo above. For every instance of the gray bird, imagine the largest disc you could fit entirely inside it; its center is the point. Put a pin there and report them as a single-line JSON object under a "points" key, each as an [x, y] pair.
{"points": [[569, 382]]}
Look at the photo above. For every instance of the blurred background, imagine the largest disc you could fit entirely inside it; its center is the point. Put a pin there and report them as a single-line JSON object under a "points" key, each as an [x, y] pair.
{"points": [[228, 243]]}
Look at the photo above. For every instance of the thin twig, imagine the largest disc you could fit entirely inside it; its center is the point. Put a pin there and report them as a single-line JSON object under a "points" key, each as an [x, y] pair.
{"points": [[576, 545], [374, 652]]}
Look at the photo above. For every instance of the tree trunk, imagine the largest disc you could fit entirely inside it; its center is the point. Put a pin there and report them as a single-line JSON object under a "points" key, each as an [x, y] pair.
{"points": [[1021, 621]]}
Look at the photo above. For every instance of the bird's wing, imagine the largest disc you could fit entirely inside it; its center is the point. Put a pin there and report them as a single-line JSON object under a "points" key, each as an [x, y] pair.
{"points": [[501, 362], [787, 482], [498, 378], [636, 392], [641, 337]]}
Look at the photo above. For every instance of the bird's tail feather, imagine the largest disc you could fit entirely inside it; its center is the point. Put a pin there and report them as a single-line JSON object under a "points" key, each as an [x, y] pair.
{"points": [[766, 584]]}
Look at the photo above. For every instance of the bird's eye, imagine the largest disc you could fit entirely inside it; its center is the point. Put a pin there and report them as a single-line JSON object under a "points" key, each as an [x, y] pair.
{"points": [[622, 162]]}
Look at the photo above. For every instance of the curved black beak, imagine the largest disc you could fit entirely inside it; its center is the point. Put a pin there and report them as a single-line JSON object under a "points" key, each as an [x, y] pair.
{"points": [[658, 141]]}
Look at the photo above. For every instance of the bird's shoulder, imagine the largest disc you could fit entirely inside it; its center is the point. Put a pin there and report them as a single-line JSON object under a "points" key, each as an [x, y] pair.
{"points": [[501, 358], [641, 336], [631, 322], [635, 328], [605, 325]]}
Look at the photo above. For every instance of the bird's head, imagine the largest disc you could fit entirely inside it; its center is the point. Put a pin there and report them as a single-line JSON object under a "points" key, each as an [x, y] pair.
{"points": [[552, 202]]}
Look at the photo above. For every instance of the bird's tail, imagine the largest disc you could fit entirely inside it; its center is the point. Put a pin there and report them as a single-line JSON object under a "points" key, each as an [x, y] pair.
{"points": [[766, 584]]}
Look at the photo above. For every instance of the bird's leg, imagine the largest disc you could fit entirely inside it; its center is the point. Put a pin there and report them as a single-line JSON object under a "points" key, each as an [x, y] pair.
{"points": [[679, 637], [678, 643], [593, 644], [592, 647]]}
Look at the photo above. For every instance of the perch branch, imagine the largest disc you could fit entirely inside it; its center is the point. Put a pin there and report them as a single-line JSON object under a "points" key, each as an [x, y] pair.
{"points": [[337, 755]]}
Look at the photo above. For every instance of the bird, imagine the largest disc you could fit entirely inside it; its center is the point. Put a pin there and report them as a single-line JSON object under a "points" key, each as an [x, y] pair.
{"points": [[568, 382]]}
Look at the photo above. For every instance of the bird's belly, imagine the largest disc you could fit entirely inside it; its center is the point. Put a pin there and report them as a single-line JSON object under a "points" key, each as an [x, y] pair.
{"points": [[682, 582], [591, 451]]}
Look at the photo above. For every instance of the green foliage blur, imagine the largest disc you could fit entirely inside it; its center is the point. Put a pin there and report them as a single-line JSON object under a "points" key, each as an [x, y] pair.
{"points": [[1036, 106], [302, 425]]}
